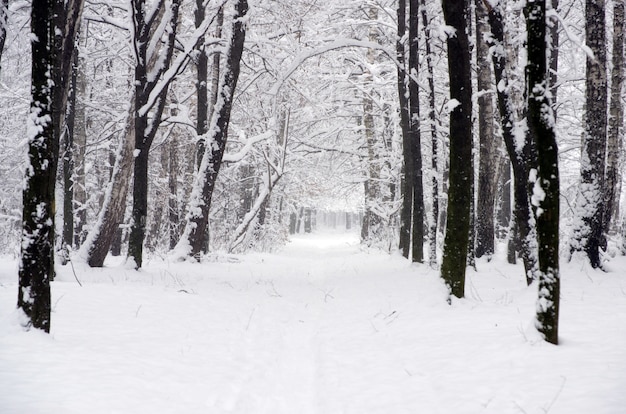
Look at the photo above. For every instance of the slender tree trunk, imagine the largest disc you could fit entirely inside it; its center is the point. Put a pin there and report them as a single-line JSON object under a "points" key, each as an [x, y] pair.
{"points": [[68, 160], [489, 148], [616, 122], [588, 231], [432, 119], [459, 195], [407, 181], [546, 194], [417, 236], [80, 142], [172, 184], [36, 264], [200, 203], [554, 57]]}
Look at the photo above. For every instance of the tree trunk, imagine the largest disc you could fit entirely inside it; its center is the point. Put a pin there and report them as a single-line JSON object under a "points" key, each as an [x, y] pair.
{"points": [[616, 123], [200, 203], [488, 142], [146, 122], [80, 142], [407, 182], [588, 231], [68, 160], [111, 215], [417, 236], [36, 264], [554, 57], [521, 156], [432, 259], [546, 194], [459, 195]]}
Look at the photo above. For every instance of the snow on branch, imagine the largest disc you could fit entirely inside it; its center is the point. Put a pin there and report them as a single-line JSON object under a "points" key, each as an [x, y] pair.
{"points": [[248, 145]]}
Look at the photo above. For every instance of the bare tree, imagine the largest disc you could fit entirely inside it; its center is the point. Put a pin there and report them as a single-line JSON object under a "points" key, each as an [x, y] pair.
{"points": [[36, 264], [545, 178], [204, 184], [588, 232], [460, 191]]}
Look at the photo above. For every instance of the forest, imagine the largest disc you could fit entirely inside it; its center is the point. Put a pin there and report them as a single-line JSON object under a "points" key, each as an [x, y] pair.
{"points": [[450, 136]]}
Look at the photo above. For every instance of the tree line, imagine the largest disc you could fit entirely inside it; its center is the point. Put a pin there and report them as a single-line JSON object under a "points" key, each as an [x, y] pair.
{"points": [[181, 126]]}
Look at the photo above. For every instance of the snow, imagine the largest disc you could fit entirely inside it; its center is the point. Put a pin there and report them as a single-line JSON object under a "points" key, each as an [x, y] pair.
{"points": [[321, 327]]}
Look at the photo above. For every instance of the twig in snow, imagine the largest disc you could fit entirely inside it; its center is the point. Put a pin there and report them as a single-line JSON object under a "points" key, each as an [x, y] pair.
{"points": [[138, 309], [74, 271], [556, 396], [54, 308], [250, 318]]}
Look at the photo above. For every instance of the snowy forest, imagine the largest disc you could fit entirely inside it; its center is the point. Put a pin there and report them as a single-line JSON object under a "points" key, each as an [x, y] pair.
{"points": [[279, 206]]}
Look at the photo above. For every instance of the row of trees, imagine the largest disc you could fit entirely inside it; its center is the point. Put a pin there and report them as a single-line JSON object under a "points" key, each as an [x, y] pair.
{"points": [[240, 119]]}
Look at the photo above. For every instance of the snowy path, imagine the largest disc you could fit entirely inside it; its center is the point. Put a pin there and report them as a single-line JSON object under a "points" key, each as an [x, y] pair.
{"points": [[321, 327]]}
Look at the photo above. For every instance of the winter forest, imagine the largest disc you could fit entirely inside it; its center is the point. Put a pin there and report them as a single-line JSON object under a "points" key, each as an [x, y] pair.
{"points": [[306, 206]]}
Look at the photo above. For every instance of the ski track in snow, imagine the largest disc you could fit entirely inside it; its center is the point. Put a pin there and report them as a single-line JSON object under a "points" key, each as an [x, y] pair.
{"points": [[321, 327]]}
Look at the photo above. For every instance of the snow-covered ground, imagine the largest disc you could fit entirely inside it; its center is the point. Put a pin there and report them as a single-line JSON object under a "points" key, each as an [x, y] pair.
{"points": [[321, 327]]}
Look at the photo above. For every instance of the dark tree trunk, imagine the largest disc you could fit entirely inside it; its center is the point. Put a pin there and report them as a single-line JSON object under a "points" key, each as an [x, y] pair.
{"points": [[521, 157], [200, 203], [546, 184], [68, 160], [588, 231], [80, 142], [432, 119], [554, 57], [488, 141], [146, 122], [407, 182], [417, 234], [616, 123], [172, 203], [36, 265], [459, 194]]}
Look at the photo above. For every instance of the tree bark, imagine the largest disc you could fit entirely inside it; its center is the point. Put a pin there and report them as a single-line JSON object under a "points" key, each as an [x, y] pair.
{"points": [[36, 264], [616, 123], [407, 182], [417, 234], [432, 119], [545, 196], [588, 231], [200, 203], [488, 141], [459, 195]]}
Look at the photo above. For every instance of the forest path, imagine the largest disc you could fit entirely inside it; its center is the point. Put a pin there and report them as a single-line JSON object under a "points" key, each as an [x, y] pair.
{"points": [[310, 338]]}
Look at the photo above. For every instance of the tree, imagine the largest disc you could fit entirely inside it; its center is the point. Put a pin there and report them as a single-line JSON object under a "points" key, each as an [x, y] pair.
{"points": [[407, 185], [522, 156], [616, 123], [488, 141], [417, 236], [150, 94], [460, 189], [36, 264], [204, 183], [432, 119], [545, 178], [588, 231]]}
